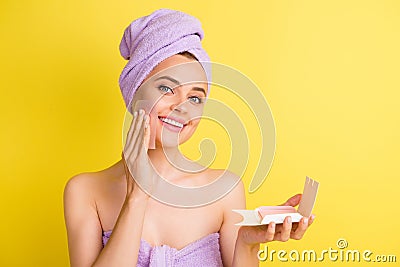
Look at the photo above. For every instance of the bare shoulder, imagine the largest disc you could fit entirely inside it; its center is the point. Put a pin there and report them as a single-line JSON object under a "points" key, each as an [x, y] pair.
{"points": [[80, 195], [90, 184], [81, 184], [235, 199], [236, 195], [83, 187], [86, 195]]}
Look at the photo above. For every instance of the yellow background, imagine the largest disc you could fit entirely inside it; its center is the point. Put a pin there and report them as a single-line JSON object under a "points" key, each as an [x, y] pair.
{"points": [[329, 70]]}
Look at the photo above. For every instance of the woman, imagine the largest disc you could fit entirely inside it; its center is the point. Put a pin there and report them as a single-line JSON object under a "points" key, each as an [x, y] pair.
{"points": [[112, 218]]}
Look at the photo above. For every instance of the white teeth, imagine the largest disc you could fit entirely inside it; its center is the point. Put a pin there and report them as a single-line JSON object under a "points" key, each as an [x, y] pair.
{"points": [[172, 122]]}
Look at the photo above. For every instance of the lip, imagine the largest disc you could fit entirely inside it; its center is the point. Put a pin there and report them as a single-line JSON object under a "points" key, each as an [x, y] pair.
{"points": [[171, 127]]}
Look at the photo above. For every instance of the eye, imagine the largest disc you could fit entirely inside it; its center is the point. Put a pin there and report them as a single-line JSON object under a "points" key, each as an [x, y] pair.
{"points": [[196, 100], [165, 89]]}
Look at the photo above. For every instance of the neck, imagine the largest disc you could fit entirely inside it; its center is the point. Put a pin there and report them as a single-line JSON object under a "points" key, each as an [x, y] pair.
{"points": [[164, 160], [170, 163]]}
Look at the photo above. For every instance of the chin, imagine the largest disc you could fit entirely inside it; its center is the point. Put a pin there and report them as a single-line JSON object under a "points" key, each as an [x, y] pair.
{"points": [[171, 140]]}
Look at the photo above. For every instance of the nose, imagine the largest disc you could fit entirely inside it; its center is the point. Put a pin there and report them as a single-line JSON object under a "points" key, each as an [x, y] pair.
{"points": [[180, 106]]}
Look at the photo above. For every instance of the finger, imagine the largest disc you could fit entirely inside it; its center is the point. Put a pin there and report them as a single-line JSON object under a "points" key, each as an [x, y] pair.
{"points": [[129, 137], [311, 219], [132, 150], [140, 120], [301, 229], [286, 229], [142, 144], [147, 133], [294, 226], [269, 235], [293, 201], [131, 127], [140, 132], [138, 124]]}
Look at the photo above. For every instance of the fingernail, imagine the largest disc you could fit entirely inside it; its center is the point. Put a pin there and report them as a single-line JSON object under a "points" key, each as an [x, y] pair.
{"points": [[289, 220], [135, 114], [141, 111], [272, 225], [312, 217], [305, 221]]}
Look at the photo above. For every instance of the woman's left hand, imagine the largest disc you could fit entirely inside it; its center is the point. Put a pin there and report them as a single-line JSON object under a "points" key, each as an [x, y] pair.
{"points": [[254, 235]]}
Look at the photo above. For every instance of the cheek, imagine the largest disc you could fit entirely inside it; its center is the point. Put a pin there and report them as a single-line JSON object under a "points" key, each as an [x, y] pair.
{"points": [[160, 106], [194, 124], [151, 95], [189, 131]]}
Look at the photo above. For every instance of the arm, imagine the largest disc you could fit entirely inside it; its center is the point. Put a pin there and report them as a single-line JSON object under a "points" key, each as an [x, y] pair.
{"points": [[123, 247], [228, 232], [235, 251], [83, 225], [85, 232]]}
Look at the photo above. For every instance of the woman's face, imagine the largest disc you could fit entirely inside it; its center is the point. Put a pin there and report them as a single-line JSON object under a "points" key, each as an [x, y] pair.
{"points": [[176, 89]]}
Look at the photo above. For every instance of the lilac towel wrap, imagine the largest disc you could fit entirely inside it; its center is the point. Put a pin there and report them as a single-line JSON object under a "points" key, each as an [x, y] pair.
{"points": [[151, 39], [202, 252]]}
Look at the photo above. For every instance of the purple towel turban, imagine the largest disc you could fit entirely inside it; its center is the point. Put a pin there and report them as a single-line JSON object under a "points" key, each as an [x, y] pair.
{"points": [[151, 39]]}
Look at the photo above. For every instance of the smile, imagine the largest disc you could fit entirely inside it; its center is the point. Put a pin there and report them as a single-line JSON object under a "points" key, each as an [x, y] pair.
{"points": [[172, 122]]}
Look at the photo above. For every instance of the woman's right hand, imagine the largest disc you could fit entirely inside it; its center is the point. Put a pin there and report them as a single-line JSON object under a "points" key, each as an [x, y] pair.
{"points": [[138, 168]]}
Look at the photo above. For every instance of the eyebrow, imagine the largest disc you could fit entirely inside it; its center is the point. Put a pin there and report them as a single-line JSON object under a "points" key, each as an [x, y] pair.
{"points": [[168, 78], [199, 89]]}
